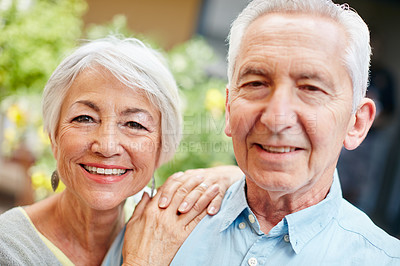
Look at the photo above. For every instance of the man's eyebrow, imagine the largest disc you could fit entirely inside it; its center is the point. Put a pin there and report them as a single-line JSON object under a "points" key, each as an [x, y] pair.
{"points": [[250, 70], [89, 104], [323, 78], [130, 111]]}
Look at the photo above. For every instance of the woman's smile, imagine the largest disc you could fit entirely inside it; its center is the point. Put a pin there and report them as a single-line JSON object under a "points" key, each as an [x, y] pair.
{"points": [[105, 175], [104, 171]]}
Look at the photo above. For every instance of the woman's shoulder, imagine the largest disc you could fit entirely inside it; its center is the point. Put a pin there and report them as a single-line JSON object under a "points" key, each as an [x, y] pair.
{"points": [[12, 221], [19, 242]]}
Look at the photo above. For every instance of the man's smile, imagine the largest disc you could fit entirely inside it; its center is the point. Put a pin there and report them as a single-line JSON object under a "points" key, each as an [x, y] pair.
{"points": [[277, 149]]}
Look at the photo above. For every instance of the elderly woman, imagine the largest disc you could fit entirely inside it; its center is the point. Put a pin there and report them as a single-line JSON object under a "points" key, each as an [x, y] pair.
{"points": [[111, 112]]}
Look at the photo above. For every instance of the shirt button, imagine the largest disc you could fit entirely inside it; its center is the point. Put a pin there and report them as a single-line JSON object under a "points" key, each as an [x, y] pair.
{"points": [[252, 219], [242, 225], [286, 238], [252, 262]]}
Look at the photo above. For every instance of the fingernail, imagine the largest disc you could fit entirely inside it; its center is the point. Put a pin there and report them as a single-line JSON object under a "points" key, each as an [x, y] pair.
{"points": [[163, 202], [212, 210], [183, 206]]}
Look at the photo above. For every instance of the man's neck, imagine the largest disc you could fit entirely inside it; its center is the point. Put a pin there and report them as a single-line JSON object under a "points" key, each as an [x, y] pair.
{"points": [[271, 207]]}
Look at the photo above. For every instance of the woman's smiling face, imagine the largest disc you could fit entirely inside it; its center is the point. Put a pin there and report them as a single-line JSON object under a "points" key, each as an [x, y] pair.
{"points": [[108, 139]]}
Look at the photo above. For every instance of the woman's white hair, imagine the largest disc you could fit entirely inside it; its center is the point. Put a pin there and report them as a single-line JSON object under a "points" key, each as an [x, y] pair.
{"points": [[132, 63], [356, 57]]}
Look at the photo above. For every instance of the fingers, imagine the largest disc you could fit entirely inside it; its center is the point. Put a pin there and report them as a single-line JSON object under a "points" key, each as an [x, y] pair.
{"points": [[194, 222], [192, 197], [181, 183], [192, 184], [168, 189], [201, 204], [139, 209], [224, 176], [215, 204]]}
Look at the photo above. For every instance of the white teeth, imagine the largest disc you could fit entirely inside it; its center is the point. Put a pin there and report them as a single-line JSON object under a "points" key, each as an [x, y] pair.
{"points": [[278, 149], [104, 171], [100, 170]]}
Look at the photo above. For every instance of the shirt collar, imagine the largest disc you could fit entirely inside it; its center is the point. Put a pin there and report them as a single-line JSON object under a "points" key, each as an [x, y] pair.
{"points": [[307, 223], [302, 225], [236, 202]]}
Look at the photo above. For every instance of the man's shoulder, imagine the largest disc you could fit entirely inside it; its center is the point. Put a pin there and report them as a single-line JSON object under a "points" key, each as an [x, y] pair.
{"points": [[356, 224], [210, 226]]}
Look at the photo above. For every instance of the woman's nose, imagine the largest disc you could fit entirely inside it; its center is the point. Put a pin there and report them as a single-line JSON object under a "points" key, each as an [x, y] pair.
{"points": [[107, 141]]}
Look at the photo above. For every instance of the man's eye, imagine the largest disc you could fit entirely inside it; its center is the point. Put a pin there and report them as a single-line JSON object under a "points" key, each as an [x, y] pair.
{"points": [[254, 84], [135, 125], [310, 88], [83, 119]]}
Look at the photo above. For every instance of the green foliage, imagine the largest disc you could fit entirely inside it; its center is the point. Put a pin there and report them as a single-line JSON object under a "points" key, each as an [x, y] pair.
{"points": [[204, 143], [33, 39]]}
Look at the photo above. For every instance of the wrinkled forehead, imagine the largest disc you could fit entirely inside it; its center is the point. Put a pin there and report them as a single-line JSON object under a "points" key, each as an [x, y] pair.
{"points": [[285, 33], [295, 29]]}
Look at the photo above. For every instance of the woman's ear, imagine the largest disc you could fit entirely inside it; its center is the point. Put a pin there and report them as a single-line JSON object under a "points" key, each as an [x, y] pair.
{"points": [[53, 147], [360, 124], [227, 113]]}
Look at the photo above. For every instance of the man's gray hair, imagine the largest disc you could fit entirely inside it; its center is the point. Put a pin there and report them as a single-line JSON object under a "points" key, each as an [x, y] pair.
{"points": [[135, 65], [356, 57]]}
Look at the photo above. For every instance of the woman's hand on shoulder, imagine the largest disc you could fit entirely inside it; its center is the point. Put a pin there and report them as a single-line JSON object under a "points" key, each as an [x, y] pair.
{"points": [[153, 235], [159, 226], [196, 185]]}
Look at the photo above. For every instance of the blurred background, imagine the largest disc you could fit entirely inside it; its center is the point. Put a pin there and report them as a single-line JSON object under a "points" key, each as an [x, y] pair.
{"points": [[36, 34]]}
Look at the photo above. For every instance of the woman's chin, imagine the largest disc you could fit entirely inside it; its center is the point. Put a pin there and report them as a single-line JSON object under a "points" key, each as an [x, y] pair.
{"points": [[104, 201]]}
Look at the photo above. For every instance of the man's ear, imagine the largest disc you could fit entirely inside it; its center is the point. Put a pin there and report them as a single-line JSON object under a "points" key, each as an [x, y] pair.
{"points": [[227, 113], [360, 124]]}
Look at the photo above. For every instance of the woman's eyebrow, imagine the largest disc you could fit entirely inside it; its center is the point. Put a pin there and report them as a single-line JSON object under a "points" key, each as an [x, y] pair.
{"points": [[130, 111], [88, 104]]}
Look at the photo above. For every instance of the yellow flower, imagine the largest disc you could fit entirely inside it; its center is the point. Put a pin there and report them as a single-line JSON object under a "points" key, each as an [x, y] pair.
{"points": [[44, 138], [16, 115], [42, 181], [60, 187], [39, 179], [215, 102]]}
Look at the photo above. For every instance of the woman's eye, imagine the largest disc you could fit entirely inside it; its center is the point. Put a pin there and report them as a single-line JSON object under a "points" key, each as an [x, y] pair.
{"points": [[83, 119], [135, 125]]}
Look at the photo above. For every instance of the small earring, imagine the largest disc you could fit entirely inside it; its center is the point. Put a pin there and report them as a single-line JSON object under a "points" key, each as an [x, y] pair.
{"points": [[153, 186], [54, 180]]}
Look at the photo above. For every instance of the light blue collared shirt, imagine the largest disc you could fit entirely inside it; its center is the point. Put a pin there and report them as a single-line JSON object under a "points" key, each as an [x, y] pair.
{"points": [[332, 232]]}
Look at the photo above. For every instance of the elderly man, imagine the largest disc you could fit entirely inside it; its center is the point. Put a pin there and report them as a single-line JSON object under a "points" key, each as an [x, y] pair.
{"points": [[298, 73]]}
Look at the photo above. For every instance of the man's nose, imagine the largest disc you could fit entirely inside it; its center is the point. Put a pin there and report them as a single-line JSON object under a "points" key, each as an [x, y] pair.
{"points": [[107, 141], [278, 114]]}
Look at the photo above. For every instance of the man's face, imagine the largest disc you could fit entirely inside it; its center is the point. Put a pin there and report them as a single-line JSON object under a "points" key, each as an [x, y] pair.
{"points": [[289, 107]]}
